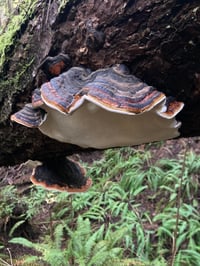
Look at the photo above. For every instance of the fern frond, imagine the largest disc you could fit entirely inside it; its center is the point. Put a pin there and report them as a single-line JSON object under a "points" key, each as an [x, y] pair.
{"points": [[58, 235]]}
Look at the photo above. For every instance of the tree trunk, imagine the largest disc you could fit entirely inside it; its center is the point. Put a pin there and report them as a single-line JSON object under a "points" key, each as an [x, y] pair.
{"points": [[158, 40]]}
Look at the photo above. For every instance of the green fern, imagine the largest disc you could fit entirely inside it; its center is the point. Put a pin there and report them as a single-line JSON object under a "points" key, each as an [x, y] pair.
{"points": [[110, 224], [84, 246], [51, 250], [90, 248], [8, 200]]}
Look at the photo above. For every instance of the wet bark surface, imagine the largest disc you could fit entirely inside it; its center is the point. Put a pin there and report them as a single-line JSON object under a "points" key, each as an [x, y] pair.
{"points": [[158, 40]]}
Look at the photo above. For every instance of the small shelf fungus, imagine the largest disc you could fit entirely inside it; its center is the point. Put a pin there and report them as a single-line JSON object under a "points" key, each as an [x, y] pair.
{"points": [[101, 109], [60, 173], [53, 66]]}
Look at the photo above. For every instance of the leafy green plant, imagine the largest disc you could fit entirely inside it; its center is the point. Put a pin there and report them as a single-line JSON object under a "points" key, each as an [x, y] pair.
{"points": [[10, 210], [50, 250], [84, 246], [8, 200], [38, 197], [133, 215], [188, 230]]}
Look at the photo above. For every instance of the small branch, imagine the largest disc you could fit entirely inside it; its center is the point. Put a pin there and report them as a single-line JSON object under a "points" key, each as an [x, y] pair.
{"points": [[51, 223], [11, 261], [4, 262], [174, 248], [48, 9]]}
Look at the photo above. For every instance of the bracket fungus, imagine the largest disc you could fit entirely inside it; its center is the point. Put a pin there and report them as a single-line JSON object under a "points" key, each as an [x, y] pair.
{"points": [[53, 66], [60, 174], [101, 109]]}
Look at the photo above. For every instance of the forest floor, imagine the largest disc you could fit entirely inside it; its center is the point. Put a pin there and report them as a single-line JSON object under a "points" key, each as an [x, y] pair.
{"points": [[19, 176]]}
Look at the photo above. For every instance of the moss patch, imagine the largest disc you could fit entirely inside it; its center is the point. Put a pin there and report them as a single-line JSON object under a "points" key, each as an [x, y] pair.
{"points": [[8, 37], [13, 86]]}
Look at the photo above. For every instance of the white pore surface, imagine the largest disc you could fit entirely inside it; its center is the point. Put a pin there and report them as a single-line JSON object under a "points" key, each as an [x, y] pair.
{"points": [[92, 126]]}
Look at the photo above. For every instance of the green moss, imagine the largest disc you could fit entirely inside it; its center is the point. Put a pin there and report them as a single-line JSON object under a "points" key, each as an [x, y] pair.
{"points": [[63, 4], [13, 86], [7, 38]]}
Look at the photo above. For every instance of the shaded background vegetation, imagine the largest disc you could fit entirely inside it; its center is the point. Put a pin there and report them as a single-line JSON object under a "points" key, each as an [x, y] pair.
{"points": [[143, 209]]}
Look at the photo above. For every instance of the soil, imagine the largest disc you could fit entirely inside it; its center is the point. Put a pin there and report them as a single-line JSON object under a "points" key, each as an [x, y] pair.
{"points": [[19, 176]]}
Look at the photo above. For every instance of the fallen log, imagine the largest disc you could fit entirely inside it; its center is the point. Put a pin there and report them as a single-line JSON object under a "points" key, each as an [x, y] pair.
{"points": [[157, 40]]}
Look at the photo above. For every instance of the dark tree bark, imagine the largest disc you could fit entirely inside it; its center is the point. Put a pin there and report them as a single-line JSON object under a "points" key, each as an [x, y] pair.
{"points": [[158, 40]]}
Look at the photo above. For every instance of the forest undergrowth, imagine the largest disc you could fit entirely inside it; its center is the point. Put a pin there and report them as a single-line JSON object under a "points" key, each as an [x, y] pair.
{"points": [[143, 209]]}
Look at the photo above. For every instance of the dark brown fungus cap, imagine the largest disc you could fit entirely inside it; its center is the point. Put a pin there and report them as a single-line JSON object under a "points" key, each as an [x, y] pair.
{"points": [[110, 88], [29, 116], [54, 66], [36, 98], [173, 107], [63, 91], [61, 174]]}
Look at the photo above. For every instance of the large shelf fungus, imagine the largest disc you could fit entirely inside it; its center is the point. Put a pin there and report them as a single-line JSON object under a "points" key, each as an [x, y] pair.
{"points": [[101, 109]]}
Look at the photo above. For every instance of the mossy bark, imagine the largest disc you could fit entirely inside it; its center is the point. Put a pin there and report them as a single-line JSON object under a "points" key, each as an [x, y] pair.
{"points": [[158, 40]]}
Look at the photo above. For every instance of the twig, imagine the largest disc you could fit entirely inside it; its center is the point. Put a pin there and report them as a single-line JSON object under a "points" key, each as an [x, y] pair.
{"points": [[71, 206], [11, 261], [174, 248], [5, 262], [51, 224], [48, 9]]}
